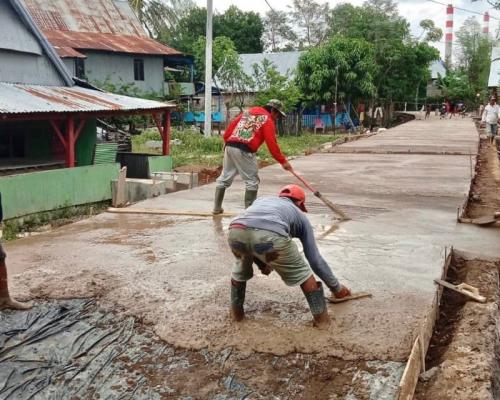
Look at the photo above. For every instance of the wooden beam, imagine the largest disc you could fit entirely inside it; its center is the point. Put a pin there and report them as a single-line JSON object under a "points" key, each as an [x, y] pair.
{"points": [[152, 211], [166, 134], [59, 134], [79, 129], [157, 119], [46, 116], [416, 361], [70, 150]]}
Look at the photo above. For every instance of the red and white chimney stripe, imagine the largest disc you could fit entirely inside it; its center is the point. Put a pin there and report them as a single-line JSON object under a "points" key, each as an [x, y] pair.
{"points": [[449, 23], [448, 35], [486, 23]]}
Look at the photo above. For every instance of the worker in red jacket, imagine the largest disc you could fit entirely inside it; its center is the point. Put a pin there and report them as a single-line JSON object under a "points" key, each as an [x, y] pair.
{"points": [[242, 139]]}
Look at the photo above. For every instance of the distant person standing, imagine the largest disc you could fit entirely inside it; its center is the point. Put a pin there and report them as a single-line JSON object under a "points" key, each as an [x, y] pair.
{"points": [[448, 108], [481, 109], [242, 138], [361, 113], [5, 300], [490, 119], [427, 111]]}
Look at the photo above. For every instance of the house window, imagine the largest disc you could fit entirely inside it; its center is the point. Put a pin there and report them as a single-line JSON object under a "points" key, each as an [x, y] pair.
{"points": [[80, 68], [138, 69]]}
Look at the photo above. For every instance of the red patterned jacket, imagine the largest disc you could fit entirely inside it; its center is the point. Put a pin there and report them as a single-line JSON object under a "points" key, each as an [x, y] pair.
{"points": [[250, 129]]}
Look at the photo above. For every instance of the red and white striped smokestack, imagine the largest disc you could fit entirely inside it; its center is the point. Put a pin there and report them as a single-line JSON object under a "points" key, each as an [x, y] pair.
{"points": [[486, 24], [448, 35]]}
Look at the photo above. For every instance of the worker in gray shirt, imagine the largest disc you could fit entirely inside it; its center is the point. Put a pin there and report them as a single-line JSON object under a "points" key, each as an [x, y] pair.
{"points": [[263, 234]]}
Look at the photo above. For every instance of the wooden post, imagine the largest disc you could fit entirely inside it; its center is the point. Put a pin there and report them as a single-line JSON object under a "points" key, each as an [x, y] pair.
{"points": [[166, 134], [120, 194], [70, 151]]}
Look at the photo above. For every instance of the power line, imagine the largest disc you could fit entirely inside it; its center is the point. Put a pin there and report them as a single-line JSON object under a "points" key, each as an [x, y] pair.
{"points": [[272, 9], [462, 9]]}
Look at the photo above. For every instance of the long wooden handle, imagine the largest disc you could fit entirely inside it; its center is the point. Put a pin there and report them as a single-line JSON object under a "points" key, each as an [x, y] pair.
{"points": [[327, 202], [303, 181]]}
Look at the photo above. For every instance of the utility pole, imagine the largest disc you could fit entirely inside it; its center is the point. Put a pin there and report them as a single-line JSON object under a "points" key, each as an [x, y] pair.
{"points": [[335, 108], [208, 72]]}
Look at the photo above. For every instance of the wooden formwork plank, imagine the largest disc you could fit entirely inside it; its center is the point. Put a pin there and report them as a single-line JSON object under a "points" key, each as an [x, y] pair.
{"points": [[152, 211], [410, 375], [416, 361]]}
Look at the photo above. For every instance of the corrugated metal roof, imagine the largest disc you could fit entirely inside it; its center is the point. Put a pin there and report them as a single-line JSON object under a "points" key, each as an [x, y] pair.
{"points": [[284, 62], [107, 42], [494, 78], [28, 99], [437, 69], [102, 16], [106, 25], [68, 52]]}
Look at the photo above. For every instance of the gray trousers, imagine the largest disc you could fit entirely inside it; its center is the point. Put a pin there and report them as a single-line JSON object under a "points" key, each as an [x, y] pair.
{"points": [[240, 162]]}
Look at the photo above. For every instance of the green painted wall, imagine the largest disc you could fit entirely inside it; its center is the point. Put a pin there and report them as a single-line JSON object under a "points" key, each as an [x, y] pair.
{"points": [[39, 136], [34, 192], [86, 144], [159, 164], [38, 142]]}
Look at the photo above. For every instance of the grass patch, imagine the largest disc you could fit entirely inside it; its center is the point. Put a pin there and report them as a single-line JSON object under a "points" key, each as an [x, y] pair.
{"points": [[12, 228], [198, 150]]}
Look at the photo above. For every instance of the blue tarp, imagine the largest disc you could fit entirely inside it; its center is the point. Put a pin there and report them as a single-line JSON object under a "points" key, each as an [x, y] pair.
{"points": [[198, 117], [308, 120]]}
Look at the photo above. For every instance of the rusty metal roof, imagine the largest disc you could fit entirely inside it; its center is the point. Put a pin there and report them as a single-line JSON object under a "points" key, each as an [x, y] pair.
{"points": [[107, 42], [106, 25], [33, 99], [102, 16], [68, 52]]}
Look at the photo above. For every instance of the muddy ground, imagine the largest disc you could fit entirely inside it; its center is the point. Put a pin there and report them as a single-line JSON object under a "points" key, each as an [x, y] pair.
{"points": [[463, 361], [485, 195], [79, 349]]}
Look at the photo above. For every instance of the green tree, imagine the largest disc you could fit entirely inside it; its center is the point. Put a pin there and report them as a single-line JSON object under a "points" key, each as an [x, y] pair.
{"points": [[268, 83], [431, 32], [245, 29], [310, 17], [278, 33], [456, 86], [160, 17], [402, 62], [223, 51], [474, 54], [343, 65], [187, 31]]}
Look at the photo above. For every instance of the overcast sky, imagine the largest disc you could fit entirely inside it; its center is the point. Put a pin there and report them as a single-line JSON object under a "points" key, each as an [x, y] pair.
{"points": [[413, 10]]}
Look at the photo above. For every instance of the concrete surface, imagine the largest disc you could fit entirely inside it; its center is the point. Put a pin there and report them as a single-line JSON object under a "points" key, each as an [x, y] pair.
{"points": [[173, 272]]}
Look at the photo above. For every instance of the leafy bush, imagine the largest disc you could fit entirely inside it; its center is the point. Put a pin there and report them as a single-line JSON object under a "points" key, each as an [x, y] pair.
{"points": [[197, 150]]}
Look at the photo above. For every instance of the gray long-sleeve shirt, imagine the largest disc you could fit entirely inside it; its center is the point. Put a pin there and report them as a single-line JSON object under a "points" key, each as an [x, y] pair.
{"points": [[281, 216]]}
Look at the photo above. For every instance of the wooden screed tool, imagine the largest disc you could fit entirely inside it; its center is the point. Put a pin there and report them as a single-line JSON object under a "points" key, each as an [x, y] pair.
{"points": [[327, 202]]}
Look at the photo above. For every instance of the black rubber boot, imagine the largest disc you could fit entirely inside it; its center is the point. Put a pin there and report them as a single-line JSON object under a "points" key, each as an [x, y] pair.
{"points": [[219, 197], [317, 305], [238, 290], [250, 196]]}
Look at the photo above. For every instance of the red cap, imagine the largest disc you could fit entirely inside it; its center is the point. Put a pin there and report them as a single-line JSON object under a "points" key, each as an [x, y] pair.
{"points": [[296, 193]]}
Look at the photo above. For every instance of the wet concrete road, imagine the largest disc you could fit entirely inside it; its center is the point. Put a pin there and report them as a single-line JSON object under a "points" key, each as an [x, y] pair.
{"points": [[173, 272]]}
